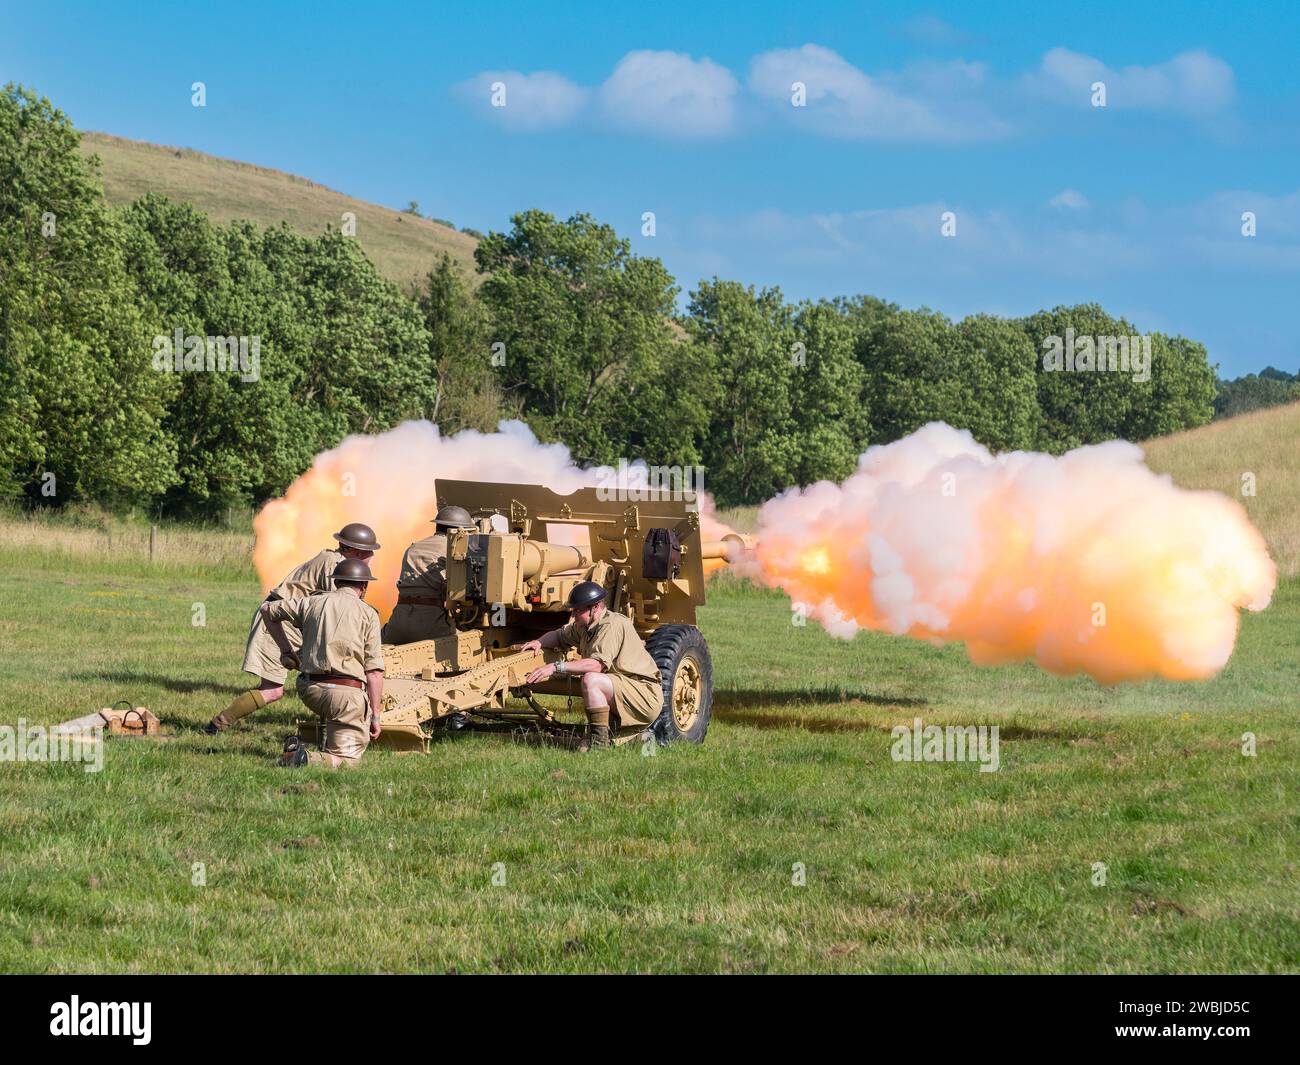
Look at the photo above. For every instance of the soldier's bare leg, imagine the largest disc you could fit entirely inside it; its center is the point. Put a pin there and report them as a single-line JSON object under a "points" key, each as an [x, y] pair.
{"points": [[264, 658], [597, 691]]}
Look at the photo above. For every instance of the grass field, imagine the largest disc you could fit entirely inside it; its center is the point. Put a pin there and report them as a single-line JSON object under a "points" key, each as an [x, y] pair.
{"points": [[403, 247], [680, 861]]}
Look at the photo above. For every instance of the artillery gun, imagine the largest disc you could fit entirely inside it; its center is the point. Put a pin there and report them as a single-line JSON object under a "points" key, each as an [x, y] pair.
{"points": [[508, 581]]}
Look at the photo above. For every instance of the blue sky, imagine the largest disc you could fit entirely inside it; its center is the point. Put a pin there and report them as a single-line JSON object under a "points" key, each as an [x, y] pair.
{"points": [[685, 110]]}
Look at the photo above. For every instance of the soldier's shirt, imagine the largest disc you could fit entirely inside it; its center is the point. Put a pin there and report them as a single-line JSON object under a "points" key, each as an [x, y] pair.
{"points": [[424, 567], [613, 642], [340, 633], [311, 578]]}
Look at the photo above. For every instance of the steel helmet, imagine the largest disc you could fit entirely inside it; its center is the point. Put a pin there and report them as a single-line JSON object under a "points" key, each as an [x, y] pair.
{"points": [[353, 570], [454, 517], [585, 594], [361, 537]]}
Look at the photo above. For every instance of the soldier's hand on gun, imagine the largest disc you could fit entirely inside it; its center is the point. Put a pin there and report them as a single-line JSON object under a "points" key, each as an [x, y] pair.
{"points": [[540, 674], [531, 645]]}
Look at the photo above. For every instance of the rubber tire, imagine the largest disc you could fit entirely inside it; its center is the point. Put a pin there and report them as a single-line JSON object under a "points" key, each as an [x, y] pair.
{"points": [[668, 645]]}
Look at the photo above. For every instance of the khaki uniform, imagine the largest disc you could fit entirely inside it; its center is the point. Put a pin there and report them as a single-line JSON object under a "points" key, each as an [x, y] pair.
{"points": [[340, 636], [262, 656], [613, 642], [424, 576]]}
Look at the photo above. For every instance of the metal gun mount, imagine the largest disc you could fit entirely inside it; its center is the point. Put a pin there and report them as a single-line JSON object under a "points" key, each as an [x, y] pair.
{"points": [[508, 581]]}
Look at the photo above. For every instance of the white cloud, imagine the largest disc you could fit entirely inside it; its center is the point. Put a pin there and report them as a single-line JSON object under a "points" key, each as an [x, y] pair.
{"points": [[1071, 199], [1196, 82], [542, 100], [843, 101], [932, 30], [893, 246], [670, 93]]}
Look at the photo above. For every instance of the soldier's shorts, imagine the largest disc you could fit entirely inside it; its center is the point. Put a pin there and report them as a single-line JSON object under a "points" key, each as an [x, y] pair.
{"points": [[262, 656], [410, 622], [636, 702], [345, 712]]}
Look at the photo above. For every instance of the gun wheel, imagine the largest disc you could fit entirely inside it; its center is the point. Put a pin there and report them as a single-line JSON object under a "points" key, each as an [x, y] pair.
{"points": [[687, 689], [682, 655]]}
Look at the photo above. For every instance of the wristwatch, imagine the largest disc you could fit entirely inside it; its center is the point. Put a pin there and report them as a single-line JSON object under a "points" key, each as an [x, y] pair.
{"points": [[559, 669]]}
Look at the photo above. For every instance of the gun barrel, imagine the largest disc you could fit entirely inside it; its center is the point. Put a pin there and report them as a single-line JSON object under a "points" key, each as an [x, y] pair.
{"points": [[728, 549], [554, 558]]}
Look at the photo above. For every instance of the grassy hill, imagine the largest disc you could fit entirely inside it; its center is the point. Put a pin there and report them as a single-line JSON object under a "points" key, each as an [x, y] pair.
{"points": [[1216, 456], [403, 247]]}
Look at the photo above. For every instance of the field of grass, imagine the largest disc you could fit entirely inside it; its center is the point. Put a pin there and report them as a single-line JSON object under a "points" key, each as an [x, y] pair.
{"points": [[403, 247], [683, 860], [489, 856]]}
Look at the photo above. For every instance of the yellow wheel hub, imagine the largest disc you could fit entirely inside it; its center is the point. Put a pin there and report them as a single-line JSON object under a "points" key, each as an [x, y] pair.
{"points": [[688, 693]]}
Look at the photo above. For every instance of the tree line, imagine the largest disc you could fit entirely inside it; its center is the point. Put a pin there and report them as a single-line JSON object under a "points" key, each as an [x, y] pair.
{"points": [[111, 391]]}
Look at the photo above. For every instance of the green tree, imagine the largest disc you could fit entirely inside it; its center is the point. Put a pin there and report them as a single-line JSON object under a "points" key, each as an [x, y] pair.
{"points": [[912, 372], [753, 448], [589, 346], [996, 366], [1181, 392], [1087, 407], [1251, 392], [832, 423], [976, 375], [467, 394], [339, 349], [346, 347], [78, 394], [180, 266]]}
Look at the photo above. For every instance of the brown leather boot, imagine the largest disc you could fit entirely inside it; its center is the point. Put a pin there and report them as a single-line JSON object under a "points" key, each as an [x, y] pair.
{"points": [[596, 739]]}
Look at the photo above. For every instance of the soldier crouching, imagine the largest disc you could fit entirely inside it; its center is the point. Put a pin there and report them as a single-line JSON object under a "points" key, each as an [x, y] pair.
{"points": [[621, 684], [342, 666]]}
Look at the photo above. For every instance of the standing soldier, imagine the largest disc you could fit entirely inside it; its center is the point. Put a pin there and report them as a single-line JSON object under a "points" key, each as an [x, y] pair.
{"points": [[266, 651], [342, 675], [618, 674], [421, 610]]}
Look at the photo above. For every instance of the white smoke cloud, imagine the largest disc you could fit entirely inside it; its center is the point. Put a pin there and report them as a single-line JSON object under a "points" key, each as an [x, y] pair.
{"points": [[1084, 563]]}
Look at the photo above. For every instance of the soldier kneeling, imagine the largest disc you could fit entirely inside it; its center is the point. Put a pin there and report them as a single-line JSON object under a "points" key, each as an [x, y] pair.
{"points": [[342, 666], [619, 676]]}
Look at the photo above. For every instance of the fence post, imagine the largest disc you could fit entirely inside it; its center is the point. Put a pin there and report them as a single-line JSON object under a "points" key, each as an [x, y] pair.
{"points": [[153, 540]]}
